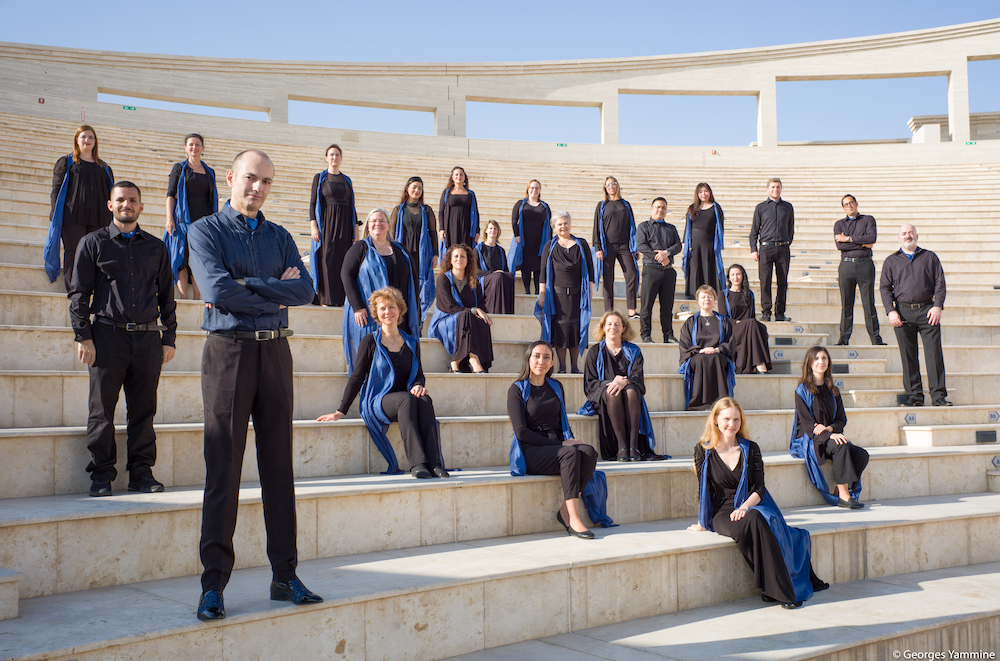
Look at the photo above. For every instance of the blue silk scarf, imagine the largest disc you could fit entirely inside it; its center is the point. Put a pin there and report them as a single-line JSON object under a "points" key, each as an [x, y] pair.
{"points": [[50, 253], [516, 254], [804, 448], [444, 326], [177, 242]]}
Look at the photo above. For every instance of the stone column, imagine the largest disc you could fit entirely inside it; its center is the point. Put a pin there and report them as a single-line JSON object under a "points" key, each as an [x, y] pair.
{"points": [[277, 109], [609, 120], [958, 102], [449, 117], [767, 115]]}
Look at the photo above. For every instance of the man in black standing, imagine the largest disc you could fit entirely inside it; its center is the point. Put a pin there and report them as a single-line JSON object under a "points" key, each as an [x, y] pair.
{"points": [[913, 291], [658, 242], [122, 276], [855, 235], [774, 229], [249, 271]]}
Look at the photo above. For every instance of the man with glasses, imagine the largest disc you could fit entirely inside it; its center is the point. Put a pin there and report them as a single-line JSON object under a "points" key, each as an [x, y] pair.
{"points": [[855, 235]]}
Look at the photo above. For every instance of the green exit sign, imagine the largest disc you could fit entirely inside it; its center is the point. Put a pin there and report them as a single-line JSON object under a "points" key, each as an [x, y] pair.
{"points": [[970, 143], [560, 144], [128, 107]]}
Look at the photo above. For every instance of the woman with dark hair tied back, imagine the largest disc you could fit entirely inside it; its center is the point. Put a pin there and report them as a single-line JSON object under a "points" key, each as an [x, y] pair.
{"points": [[701, 258], [191, 195], [413, 225], [616, 392], [81, 188], [818, 432], [749, 347], [390, 379], [531, 219], [733, 501], [614, 238], [706, 362], [333, 224], [460, 323], [543, 441], [458, 212], [498, 282]]}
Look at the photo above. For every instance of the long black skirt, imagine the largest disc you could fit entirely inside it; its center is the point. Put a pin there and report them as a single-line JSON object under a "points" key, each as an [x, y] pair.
{"points": [[758, 545], [472, 335], [498, 290], [750, 346], [709, 380], [566, 321]]}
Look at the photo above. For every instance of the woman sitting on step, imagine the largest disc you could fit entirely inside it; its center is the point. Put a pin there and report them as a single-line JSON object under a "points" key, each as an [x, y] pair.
{"points": [[459, 321], [498, 281], [706, 362], [818, 432], [751, 354], [388, 374], [732, 501]]}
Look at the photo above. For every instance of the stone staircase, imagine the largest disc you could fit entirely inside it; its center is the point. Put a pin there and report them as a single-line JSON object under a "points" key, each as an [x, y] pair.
{"points": [[432, 569]]}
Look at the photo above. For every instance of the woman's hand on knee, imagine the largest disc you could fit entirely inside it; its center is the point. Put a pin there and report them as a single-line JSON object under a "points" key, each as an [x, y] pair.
{"points": [[418, 391], [572, 441], [738, 513], [840, 439]]}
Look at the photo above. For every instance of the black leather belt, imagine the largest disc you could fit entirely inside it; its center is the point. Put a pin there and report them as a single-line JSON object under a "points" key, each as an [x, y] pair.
{"points": [[260, 336], [129, 326], [914, 306], [775, 244], [855, 259]]}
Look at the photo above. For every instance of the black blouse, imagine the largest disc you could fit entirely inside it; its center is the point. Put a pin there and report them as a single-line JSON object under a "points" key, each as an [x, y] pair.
{"points": [[399, 274], [566, 265], [722, 482], [594, 384], [88, 190], [402, 363], [539, 420], [494, 257]]}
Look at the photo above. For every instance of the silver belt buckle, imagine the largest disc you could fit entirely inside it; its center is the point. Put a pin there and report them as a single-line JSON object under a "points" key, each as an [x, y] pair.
{"points": [[264, 335], [131, 326]]}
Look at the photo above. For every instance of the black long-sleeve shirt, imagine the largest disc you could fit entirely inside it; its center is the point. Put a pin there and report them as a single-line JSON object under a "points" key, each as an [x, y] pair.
{"points": [[861, 229], [912, 281], [721, 496], [827, 410], [88, 189], [653, 235], [594, 384], [398, 274], [534, 419], [124, 280], [772, 222], [402, 362]]}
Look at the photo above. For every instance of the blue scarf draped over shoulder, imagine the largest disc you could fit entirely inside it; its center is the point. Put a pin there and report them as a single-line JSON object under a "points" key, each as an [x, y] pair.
{"points": [[716, 248], [599, 263], [516, 254], [372, 276], [595, 494], [545, 312], [632, 352], [795, 543], [685, 367], [177, 242], [425, 269], [376, 386], [444, 326], [50, 253], [314, 246], [804, 448]]}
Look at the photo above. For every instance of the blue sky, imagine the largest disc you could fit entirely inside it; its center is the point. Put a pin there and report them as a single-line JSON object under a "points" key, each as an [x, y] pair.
{"points": [[434, 31]]}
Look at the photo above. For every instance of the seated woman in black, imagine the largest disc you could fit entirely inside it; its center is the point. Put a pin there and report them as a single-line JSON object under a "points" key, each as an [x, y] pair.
{"points": [[388, 375], [498, 281], [818, 432], [732, 501], [706, 363], [460, 322], [542, 434], [751, 353]]}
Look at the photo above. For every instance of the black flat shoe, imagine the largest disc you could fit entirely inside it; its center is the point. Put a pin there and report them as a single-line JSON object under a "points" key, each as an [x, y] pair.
{"points": [[849, 504], [634, 454], [210, 606], [586, 534], [420, 472], [294, 592], [100, 488], [766, 599], [439, 471], [622, 456], [789, 605], [576, 370]]}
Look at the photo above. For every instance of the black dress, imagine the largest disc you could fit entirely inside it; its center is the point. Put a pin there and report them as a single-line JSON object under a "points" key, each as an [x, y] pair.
{"points": [[595, 387], [701, 267], [412, 229], [398, 276], [538, 428], [456, 219], [337, 227], [565, 287], [88, 189], [752, 535], [849, 460], [472, 334], [498, 283], [199, 196], [709, 370], [534, 224], [749, 343]]}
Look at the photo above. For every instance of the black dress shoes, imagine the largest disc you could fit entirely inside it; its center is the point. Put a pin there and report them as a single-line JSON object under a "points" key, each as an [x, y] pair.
{"points": [[211, 607], [851, 503], [766, 599], [100, 488], [634, 454], [841, 342], [294, 592], [623, 455], [914, 402], [586, 534], [789, 605], [879, 342], [670, 339], [942, 402], [765, 316], [647, 340], [781, 317], [145, 484], [439, 471], [420, 472]]}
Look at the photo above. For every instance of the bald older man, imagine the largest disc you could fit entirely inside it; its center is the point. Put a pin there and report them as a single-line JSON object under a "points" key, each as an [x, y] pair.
{"points": [[913, 291], [249, 271]]}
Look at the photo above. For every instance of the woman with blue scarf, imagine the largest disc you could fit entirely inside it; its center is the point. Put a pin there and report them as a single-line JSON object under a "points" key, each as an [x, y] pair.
{"points": [[390, 379], [615, 388], [81, 188], [818, 432], [751, 353], [701, 258], [371, 264], [733, 501], [706, 362], [532, 230], [191, 195], [460, 323], [543, 436], [413, 225], [333, 224], [614, 238], [498, 282], [458, 212]]}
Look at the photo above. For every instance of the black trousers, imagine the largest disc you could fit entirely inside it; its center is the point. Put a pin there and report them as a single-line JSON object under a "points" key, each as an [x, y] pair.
{"points": [[574, 464], [240, 379], [778, 257], [914, 322], [72, 234], [625, 257], [848, 459], [660, 282], [862, 276], [132, 360], [417, 426]]}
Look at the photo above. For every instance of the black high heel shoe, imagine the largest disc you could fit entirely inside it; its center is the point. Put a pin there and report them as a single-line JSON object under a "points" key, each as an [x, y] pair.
{"points": [[622, 455], [586, 534]]}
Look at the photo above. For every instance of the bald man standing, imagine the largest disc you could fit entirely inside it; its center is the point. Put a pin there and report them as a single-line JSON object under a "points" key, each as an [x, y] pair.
{"points": [[913, 291], [249, 272]]}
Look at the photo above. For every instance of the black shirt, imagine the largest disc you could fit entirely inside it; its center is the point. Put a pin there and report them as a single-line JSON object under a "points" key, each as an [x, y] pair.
{"points": [[567, 264], [495, 258], [398, 274], [129, 279], [199, 190], [861, 229], [653, 235], [772, 222], [616, 223], [539, 420], [402, 363], [916, 281], [88, 189]]}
